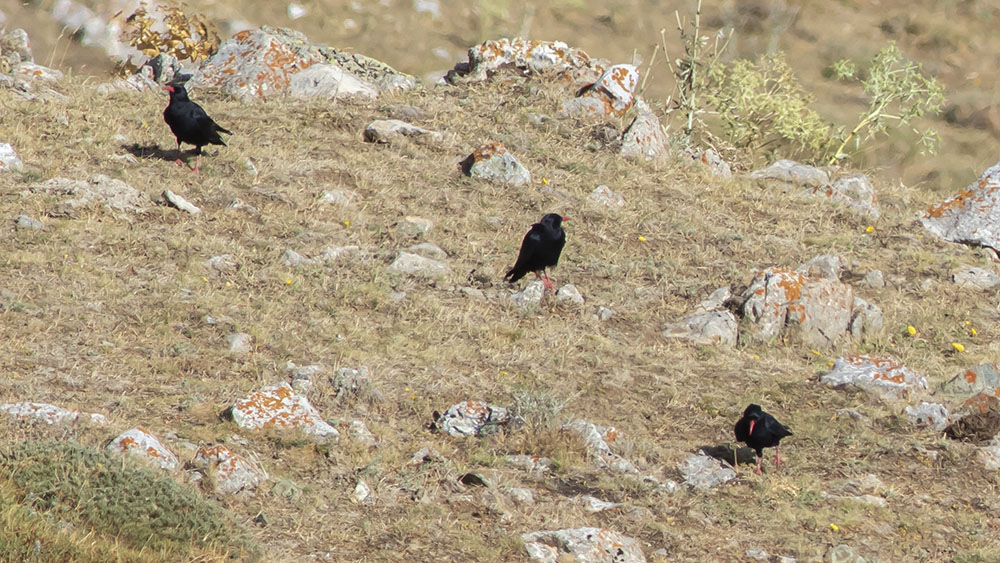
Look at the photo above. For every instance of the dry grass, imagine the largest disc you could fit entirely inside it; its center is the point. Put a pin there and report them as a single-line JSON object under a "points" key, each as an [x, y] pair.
{"points": [[105, 313]]}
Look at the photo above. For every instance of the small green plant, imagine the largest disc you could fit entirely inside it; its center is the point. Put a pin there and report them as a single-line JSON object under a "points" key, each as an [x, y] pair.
{"points": [[899, 93]]}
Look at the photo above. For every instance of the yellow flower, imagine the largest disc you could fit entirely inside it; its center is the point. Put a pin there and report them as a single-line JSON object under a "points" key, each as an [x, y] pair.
{"points": [[870, 229], [967, 323], [834, 527], [503, 373], [288, 281], [756, 357], [407, 389], [545, 181], [830, 364], [973, 332], [347, 223], [204, 279], [958, 346], [912, 330], [228, 284], [815, 352], [642, 238]]}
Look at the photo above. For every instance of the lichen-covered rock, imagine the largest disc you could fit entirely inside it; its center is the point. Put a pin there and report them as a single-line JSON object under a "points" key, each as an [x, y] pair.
{"points": [[49, 414], [597, 439], [975, 278], [972, 216], [233, 472], [280, 407], [9, 160], [815, 311], [113, 194], [791, 172], [703, 472], [644, 138], [526, 57], [419, 266], [494, 163], [530, 463], [716, 165], [139, 442], [389, 130], [705, 328], [928, 414], [611, 96], [879, 376], [977, 379], [269, 62], [470, 418], [32, 71], [582, 545]]}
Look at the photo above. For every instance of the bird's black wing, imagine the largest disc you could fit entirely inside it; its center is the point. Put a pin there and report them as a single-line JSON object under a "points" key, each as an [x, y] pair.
{"points": [[527, 258], [205, 125], [557, 247], [775, 428], [742, 429]]}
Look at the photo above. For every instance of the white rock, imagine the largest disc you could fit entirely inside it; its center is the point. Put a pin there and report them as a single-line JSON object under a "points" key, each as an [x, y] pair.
{"points": [[976, 278], [359, 431], [139, 442], [239, 343], [428, 250], [180, 203], [296, 11], [470, 417], [793, 173], [716, 300], [705, 329], [874, 279], [593, 504], [363, 493], [432, 7], [49, 414], [521, 495], [224, 264], [418, 266], [703, 472], [866, 320], [529, 297], [494, 163], [880, 376], [603, 313], [25, 222], [928, 414], [233, 473], [412, 226], [387, 130], [603, 195], [114, 194], [8, 158], [584, 545], [823, 266], [644, 138], [329, 81], [596, 439], [570, 293], [340, 197]]}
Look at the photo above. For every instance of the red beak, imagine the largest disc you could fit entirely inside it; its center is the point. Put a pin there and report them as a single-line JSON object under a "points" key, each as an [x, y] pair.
{"points": [[565, 218], [751, 425], [169, 89]]}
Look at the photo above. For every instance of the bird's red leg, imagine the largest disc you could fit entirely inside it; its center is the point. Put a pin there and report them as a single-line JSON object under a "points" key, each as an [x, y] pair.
{"points": [[777, 455], [197, 164], [548, 283], [760, 461]]}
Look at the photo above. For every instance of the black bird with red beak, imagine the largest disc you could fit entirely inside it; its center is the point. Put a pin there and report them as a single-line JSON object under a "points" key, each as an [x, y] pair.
{"points": [[190, 124], [540, 249], [760, 430]]}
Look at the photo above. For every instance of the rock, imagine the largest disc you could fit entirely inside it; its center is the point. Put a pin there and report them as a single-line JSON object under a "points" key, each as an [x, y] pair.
{"points": [[972, 216], [644, 138], [928, 414], [582, 545], [826, 266], [114, 195], [596, 439], [233, 473], [855, 192], [296, 11], [16, 42], [869, 483], [428, 250], [340, 197], [594, 504], [355, 383], [521, 495], [179, 202], [222, 265], [140, 443], [49, 414], [978, 379], [876, 375], [569, 293], [757, 554], [415, 265], [363, 493], [469, 418], [874, 279], [866, 320], [92, 29], [708, 328], [604, 196], [529, 297], [8, 159], [868, 500], [25, 222], [278, 406], [335, 253], [703, 472], [329, 81], [32, 71], [268, 62], [388, 130], [843, 554], [713, 161], [611, 96], [791, 172], [974, 278], [425, 455], [414, 227], [815, 311], [239, 343], [603, 313], [359, 431], [492, 162], [989, 455], [292, 258], [716, 300], [525, 57]]}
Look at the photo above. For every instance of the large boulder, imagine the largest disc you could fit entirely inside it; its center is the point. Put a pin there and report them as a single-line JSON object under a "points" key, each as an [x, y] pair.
{"points": [[972, 216], [268, 62], [494, 163], [880, 376], [527, 57], [611, 96], [644, 138], [280, 407]]}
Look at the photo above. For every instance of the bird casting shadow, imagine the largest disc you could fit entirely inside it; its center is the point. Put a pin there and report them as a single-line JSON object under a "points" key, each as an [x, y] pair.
{"points": [[154, 151], [724, 452]]}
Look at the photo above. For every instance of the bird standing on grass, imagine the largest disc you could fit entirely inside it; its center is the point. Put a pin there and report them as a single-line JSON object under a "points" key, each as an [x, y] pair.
{"points": [[760, 430], [540, 249], [190, 124]]}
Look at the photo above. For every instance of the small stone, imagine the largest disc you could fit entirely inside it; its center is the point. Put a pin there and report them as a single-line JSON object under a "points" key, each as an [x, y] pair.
{"points": [[335, 253], [823, 266], [139, 442], [716, 300], [278, 406], [469, 418], [975, 278], [222, 265], [415, 265], [603, 313], [363, 493], [874, 279], [340, 197], [494, 163], [389, 130], [521, 495], [428, 250], [8, 158], [296, 11], [179, 202], [356, 382], [25, 222], [473, 293], [792, 172], [866, 320], [843, 554], [703, 472], [603, 195], [239, 343], [292, 258], [709, 328], [758, 554], [928, 414], [529, 298], [412, 226], [570, 293], [594, 504], [234, 473]]}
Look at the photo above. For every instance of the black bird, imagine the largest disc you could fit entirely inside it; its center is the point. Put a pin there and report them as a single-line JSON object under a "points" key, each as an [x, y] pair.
{"points": [[760, 430], [540, 249], [190, 124]]}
